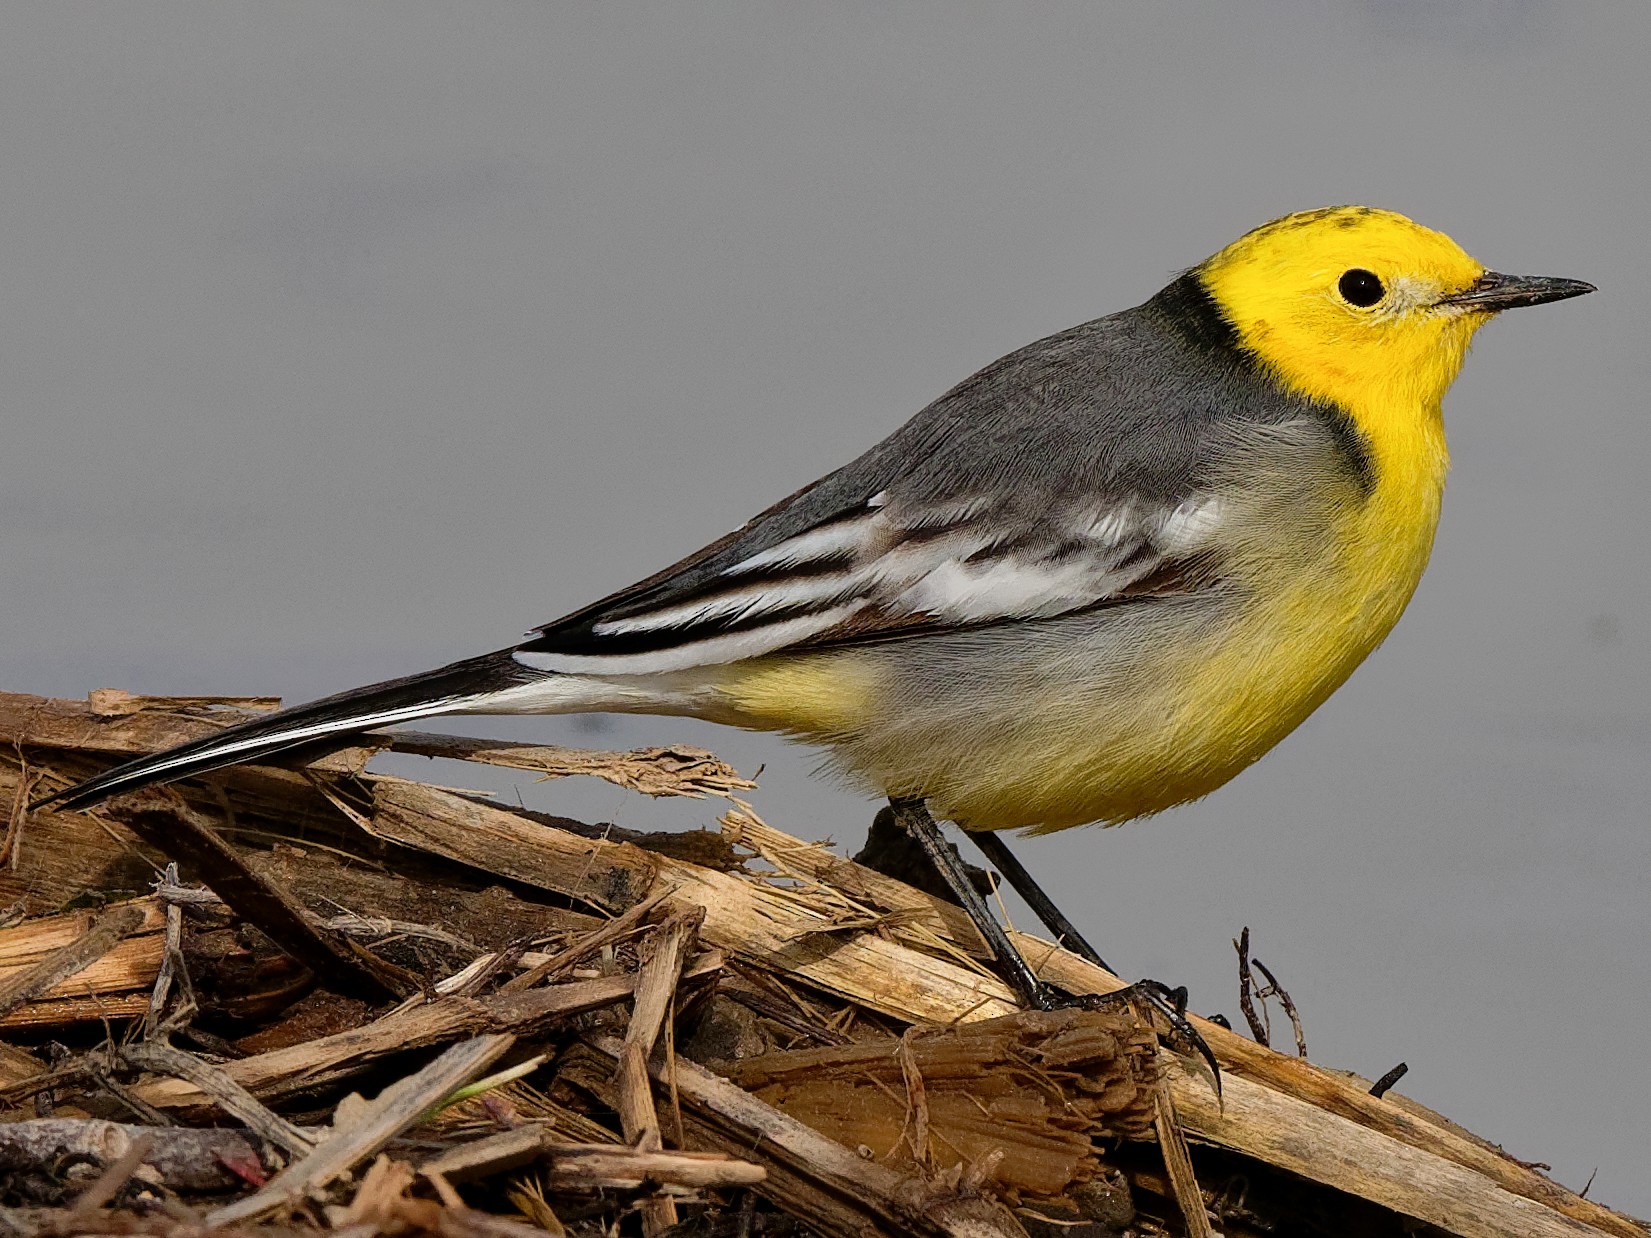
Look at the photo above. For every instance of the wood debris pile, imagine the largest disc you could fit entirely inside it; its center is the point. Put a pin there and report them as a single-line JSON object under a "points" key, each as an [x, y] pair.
{"points": [[310, 999]]}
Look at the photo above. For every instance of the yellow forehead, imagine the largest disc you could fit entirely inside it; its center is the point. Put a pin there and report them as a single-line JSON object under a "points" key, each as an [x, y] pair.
{"points": [[1312, 248]]}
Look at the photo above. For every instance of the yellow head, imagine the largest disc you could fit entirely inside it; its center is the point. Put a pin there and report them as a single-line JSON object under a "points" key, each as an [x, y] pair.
{"points": [[1362, 308]]}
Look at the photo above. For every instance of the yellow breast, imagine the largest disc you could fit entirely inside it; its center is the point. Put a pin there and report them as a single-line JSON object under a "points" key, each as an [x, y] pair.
{"points": [[1309, 627], [1098, 743]]}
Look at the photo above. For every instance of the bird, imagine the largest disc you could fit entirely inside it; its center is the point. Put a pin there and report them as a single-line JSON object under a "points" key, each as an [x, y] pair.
{"points": [[1097, 579]]}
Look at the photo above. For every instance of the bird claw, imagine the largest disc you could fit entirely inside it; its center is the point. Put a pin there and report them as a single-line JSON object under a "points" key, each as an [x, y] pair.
{"points": [[1180, 1036]]}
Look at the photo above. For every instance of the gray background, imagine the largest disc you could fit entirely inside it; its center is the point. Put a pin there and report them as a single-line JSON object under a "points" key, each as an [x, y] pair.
{"points": [[339, 341]]}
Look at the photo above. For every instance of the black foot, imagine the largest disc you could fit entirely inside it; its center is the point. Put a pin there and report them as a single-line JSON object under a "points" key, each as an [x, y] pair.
{"points": [[1181, 1037]]}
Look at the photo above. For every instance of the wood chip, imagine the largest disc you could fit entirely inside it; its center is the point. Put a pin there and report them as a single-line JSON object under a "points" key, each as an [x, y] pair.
{"points": [[494, 1154], [28, 983], [1172, 1142]]}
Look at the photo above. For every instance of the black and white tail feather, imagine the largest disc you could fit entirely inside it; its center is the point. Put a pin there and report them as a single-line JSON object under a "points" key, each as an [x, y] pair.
{"points": [[448, 689]]}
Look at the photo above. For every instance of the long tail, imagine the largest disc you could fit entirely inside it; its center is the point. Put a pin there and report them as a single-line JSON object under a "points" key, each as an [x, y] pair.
{"points": [[448, 689]]}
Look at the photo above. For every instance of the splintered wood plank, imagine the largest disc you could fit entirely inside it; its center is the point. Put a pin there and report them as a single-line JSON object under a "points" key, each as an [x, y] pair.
{"points": [[1027, 1094], [679, 770], [64, 854], [610, 876], [44, 722], [1292, 1134], [66, 1011], [832, 1188]]}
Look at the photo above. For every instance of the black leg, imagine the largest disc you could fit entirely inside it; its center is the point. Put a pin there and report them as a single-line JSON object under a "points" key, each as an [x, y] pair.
{"points": [[913, 816], [999, 856]]}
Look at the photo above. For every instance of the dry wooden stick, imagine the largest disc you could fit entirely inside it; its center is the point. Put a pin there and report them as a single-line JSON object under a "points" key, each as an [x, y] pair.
{"points": [[11, 843], [172, 964], [1172, 1141], [98, 939], [110, 1181], [609, 933], [64, 1011], [655, 986], [395, 1109], [494, 1154], [232, 1098], [186, 1159], [1246, 992], [588, 1167], [1249, 993], [610, 876], [743, 827]]}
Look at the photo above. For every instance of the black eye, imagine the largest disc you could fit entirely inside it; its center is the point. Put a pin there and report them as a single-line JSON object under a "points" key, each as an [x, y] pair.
{"points": [[1360, 287]]}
